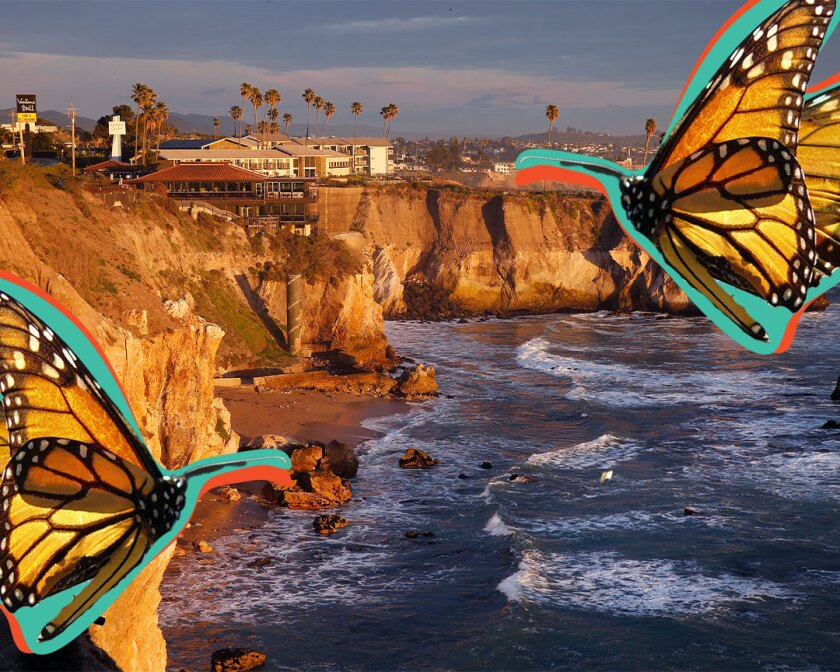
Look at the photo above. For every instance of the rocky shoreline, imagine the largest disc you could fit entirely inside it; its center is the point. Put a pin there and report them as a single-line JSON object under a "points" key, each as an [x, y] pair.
{"points": [[324, 464]]}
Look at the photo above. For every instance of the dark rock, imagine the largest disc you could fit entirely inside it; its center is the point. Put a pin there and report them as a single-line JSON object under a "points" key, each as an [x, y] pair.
{"points": [[691, 512], [234, 660], [417, 459], [486, 465], [343, 461], [428, 533], [835, 396], [463, 476], [521, 478], [463, 320], [329, 524], [411, 534], [831, 424], [259, 562]]}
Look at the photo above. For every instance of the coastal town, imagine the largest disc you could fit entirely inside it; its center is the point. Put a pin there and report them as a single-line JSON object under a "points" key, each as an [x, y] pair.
{"points": [[258, 174]]}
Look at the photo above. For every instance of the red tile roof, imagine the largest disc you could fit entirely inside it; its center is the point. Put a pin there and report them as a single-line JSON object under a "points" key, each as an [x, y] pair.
{"points": [[203, 172], [110, 164]]}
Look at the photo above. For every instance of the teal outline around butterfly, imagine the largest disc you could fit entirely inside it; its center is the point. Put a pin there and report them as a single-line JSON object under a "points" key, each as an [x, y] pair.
{"points": [[775, 320], [219, 469]]}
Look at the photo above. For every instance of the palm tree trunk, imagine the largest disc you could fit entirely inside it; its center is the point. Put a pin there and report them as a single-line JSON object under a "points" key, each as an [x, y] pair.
{"points": [[647, 142], [307, 124]]}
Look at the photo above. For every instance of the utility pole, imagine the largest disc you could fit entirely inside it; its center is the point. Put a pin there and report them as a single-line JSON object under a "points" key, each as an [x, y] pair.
{"points": [[71, 112]]}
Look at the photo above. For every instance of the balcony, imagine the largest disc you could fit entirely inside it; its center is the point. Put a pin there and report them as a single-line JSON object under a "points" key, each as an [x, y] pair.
{"points": [[279, 220]]}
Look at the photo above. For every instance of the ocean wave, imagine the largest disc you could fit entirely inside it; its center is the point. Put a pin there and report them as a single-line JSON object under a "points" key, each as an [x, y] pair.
{"points": [[611, 383], [603, 452], [496, 527], [610, 583]]}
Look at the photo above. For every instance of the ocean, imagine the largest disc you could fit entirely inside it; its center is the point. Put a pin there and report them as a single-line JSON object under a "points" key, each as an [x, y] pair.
{"points": [[560, 570]]}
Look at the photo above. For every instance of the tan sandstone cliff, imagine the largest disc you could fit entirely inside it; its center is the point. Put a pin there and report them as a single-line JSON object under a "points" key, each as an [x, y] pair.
{"points": [[482, 251]]}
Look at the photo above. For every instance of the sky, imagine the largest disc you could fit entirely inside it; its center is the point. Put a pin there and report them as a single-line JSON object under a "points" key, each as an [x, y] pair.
{"points": [[479, 68]]}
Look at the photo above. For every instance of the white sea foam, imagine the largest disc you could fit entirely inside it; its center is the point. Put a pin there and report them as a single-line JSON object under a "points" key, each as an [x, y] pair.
{"points": [[614, 384], [601, 453], [496, 527], [609, 583]]}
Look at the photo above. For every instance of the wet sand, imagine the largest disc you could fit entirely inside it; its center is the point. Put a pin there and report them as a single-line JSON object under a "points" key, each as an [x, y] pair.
{"points": [[300, 415]]}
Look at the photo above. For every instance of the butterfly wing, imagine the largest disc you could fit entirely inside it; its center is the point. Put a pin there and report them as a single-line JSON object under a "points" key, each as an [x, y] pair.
{"points": [[819, 155], [758, 91], [73, 513], [742, 210], [48, 392]]}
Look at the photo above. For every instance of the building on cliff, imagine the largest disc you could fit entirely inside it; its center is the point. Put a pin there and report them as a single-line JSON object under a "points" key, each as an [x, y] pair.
{"points": [[256, 199], [370, 156], [288, 160]]}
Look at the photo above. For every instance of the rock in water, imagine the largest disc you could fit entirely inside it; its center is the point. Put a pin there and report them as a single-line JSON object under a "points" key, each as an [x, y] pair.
{"points": [[417, 459], [229, 493], [234, 660], [203, 546], [521, 478], [343, 461], [329, 524], [691, 512], [835, 396], [417, 382], [831, 424], [486, 465], [306, 459]]}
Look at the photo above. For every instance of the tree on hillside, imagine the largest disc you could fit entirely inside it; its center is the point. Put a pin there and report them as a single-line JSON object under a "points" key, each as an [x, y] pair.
{"points": [[329, 110], [256, 101], [287, 121], [236, 115], [551, 113], [137, 93], [650, 129], [309, 97], [162, 114], [319, 105], [444, 155], [388, 112], [245, 91], [356, 108]]}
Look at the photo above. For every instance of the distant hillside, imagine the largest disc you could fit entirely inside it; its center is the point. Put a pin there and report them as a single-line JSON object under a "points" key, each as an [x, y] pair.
{"points": [[579, 137], [57, 118]]}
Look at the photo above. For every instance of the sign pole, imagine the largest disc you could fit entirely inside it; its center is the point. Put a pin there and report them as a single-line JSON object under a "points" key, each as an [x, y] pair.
{"points": [[71, 112]]}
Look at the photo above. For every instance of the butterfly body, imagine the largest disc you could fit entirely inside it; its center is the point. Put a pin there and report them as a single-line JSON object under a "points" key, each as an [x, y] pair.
{"points": [[724, 205]]}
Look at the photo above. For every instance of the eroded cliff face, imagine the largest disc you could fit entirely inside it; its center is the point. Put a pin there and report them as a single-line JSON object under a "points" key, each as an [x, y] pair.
{"points": [[142, 281], [484, 252]]}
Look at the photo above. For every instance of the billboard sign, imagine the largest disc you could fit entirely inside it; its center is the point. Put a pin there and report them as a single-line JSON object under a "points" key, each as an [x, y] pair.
{"points": [[26, 108]]}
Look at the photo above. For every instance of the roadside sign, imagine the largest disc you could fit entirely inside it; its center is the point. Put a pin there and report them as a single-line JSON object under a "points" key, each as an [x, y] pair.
{"points": [[26, 108]]}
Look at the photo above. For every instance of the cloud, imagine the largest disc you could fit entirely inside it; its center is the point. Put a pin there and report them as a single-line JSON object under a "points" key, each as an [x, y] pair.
{"points": [[394, 25], [213, 92]]}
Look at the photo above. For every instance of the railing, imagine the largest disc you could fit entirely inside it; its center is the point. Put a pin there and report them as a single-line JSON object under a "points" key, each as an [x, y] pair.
{"points": [[212, 209], [279, 220]]}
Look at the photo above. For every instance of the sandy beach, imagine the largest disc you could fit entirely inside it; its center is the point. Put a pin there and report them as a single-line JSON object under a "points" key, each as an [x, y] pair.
{"points": [[297, 414]]}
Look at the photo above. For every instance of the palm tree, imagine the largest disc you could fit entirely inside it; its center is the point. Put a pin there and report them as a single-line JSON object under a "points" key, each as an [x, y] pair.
{"points": [[236, 115], [262, 127], [273, 98], [137, 94], [274, 128], [248, 129], [287, 121], [309, 97], [216, 124], [329, 110], [551, 113], [162, 114], [245, 91], [384, 114], [256, 101], [356, 108], [391, 112], [319, 105], [650, 129], [147, 103]]}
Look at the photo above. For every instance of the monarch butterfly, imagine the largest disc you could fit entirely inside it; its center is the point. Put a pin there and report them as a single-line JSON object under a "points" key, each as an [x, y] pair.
{"points": [[724, 199], [83, 504], [819, 156]]}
